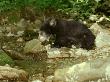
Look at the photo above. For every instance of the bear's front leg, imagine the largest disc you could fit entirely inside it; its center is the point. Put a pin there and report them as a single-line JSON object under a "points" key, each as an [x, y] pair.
{"points": [[62, 42], [57, 44]]}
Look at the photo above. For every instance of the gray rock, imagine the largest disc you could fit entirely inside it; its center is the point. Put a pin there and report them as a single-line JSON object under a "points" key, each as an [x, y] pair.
{"points": [[36, 81], [93, 18], [58, 53], [8, 73], [102, 35], [10, 34], [22, 24], [102, 39], [95, 28], [20, 33], [86, 71], [49, 79], [53, 53], [33, 46], [38, 23]]}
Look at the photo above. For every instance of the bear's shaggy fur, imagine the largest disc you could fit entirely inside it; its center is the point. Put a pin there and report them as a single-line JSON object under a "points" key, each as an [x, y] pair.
{"points": [[68, 33]]}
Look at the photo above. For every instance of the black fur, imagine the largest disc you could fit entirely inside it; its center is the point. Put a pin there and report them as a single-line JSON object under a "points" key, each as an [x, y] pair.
{"points": [[68, 33]]}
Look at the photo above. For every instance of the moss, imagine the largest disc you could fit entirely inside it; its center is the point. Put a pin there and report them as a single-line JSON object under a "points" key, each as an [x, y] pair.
{"points": [[5, 59]]}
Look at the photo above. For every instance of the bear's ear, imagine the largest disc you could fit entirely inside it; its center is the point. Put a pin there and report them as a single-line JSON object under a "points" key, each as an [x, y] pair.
{"points": [[53, 22]]}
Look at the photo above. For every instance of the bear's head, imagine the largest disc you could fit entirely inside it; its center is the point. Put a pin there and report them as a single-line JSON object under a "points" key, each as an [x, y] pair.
{"points": [[47, 29]]}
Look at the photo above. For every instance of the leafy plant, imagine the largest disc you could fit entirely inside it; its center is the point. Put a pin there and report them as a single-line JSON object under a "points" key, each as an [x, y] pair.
{"points": [[80, 8], [73, 8]]}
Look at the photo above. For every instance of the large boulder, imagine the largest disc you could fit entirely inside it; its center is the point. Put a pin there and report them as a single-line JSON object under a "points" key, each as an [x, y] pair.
{"points": [[102, 39], [22, 25], [13, 74], [102, 35], [35, 50], [33, 46], [95, 28], [86, 71]]}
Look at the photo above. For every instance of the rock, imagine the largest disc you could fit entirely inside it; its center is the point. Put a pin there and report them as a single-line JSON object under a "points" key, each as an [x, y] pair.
{"points": [[38, 23], [53, 53], [86, 71], [102, 35], [104, 22], [102, 39], [33, 46], [20, 39], [97, 1], [1, 34], [20, 33], [95, 28], [35, 50], [93, 18], [102, 19], [49, 79], [22, 24], [59, 75], [36, 81], [5, 21], [11, 28], [58, 53], [10, 34], [83, 52], [8, 73]]}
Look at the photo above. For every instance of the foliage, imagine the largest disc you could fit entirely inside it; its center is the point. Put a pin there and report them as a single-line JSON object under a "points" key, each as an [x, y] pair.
{"points": [[5, 5], [55, 4], [73, 8], [80, 8]]}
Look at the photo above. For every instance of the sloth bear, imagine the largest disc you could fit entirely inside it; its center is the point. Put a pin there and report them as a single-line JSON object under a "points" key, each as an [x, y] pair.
{"points": [[67, 33]]}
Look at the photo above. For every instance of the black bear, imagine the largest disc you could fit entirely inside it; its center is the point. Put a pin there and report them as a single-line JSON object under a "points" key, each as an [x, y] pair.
{"points": [[67, 33]]}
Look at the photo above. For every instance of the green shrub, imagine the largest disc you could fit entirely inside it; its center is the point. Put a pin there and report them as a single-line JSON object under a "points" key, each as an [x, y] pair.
{"points": [[73, 8], [80, 9]]}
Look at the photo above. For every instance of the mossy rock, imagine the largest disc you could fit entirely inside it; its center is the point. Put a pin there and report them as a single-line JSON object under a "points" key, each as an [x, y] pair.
{"points": [[33, 46], [5, 59]]}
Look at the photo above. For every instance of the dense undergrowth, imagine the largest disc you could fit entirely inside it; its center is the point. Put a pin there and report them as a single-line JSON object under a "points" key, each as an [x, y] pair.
{"points": [[75, 9]]}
